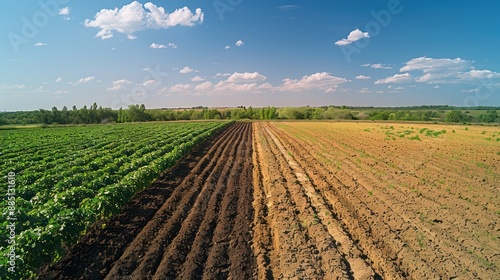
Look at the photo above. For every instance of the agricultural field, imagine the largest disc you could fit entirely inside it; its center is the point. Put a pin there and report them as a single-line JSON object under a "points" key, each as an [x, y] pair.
{"points": [[273, 200], [60, 180], [368, 200]]}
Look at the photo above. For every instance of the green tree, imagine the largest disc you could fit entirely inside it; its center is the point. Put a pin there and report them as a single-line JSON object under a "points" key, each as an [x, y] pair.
{"points": [[454, 116]]}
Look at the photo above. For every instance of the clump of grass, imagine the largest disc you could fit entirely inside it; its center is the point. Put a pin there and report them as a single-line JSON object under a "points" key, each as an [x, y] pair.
{"points": [[421, 240], [391, 186], [484, 132], [433, 133], [453, 131], [415, 138], [422, 130], [370, 193], [466, 129]]}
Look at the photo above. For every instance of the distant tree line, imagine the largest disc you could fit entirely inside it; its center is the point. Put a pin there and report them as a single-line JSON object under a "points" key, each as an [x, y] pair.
{"points": [[138, 113]]}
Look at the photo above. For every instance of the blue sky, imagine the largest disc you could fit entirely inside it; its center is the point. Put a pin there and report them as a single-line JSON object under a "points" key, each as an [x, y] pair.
{"points": [[252, 53]]}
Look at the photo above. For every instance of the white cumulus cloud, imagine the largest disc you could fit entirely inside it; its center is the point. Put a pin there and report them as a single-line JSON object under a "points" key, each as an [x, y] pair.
{"points": [[197, 79], [65, 11], [119, 84], [377, 66], [318, 81], [135, 17], [362, 77], [354, 36], [246, 77], [239, 43], [204, 86], [40, 44], [398, 78], [180, 88], [186, 70], [150, 83], [157, 46], [450, 71], [85, 80]]}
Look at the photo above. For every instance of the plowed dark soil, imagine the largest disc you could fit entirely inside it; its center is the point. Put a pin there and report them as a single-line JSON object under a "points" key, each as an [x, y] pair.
{"points": [[194, 222]]}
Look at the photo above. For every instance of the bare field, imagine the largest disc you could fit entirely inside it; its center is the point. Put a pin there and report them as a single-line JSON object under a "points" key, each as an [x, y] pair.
{"points": [[310, 200], [394, 205]]}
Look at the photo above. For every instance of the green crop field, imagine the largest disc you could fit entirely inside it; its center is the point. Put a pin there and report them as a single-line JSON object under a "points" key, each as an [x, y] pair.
{"points": [[60, 180]]}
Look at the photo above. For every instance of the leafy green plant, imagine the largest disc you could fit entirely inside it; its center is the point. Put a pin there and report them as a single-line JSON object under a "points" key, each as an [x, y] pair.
{"points": [[69, 177]]}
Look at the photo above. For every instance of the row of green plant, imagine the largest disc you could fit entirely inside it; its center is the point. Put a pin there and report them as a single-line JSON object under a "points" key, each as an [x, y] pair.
{"points": [[69, 177]]}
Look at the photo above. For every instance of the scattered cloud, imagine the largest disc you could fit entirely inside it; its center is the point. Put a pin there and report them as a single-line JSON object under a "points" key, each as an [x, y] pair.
{"points": [[119, 84], [436, 87], [239, 43], [65, 13], [470, 90], [58, 80], [204, 86], [365, 90], [222, 75], [197, 79], [131, 37], [9, 87], [229, 88], [40, 44], [180, 88], [172, 45], [134, 17], [377, 66], [449, 71], [157, 46], [227, 47], [362, 77], [150, 83], [318, 81], [289, 7], [246, 77], [85, 80], [354, 36], [186, 70], [61, 92], [431, 65], [398, 78]]}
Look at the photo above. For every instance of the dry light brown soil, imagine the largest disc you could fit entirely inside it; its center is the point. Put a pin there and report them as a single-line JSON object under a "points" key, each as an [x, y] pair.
{"points": [[309, 201]]}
